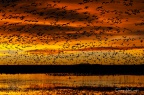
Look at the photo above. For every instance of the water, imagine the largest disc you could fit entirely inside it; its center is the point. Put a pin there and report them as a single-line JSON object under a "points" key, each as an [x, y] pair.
{"points": [[69, 84]]}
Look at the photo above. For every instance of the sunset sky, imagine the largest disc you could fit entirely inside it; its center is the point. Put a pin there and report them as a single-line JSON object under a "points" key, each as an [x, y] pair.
{"points": [[67, 32]]}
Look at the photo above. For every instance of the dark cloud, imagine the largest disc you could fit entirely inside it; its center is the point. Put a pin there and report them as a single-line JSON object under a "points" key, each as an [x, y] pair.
{"points": [[8, 1], [57, 14], [67, 32]]}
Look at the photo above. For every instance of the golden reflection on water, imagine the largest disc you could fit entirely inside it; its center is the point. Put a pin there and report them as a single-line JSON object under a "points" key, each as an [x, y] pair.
{"points": [[37, 83]]}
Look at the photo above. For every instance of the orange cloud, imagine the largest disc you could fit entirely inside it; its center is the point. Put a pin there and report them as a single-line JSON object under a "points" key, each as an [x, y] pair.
{"points": [[54, 51]]}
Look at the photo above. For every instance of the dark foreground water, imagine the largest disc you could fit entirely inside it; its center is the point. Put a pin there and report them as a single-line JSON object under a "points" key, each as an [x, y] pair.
{"points": [[70, 84]]}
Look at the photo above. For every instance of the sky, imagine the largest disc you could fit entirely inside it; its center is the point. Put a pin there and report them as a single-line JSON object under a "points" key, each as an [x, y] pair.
{"points": [[66, 32]]}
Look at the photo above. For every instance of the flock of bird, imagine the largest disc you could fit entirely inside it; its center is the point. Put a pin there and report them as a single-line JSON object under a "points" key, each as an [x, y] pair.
{"points": [[50, 22]]}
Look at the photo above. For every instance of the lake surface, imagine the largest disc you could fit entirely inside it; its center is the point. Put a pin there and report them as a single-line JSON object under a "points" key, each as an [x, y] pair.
{"points": [[69, 84]]}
